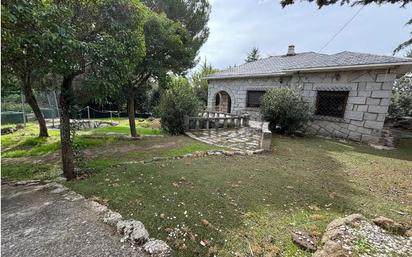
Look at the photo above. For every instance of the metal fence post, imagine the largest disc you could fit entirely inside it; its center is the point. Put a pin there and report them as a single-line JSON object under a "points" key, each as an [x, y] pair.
{"points": [[22, 108], [88, 113]]}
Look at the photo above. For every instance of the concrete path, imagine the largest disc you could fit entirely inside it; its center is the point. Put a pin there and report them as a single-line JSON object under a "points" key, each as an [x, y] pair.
{"points": [[36, 221]]}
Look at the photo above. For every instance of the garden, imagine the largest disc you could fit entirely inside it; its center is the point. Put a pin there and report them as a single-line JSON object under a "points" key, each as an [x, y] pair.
{"points": [[225, 205], [138, 59]]}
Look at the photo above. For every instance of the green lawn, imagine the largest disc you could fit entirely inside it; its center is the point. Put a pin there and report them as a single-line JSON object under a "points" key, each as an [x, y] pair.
{"points": [[143, 126], [26, 142], [235, 205]]}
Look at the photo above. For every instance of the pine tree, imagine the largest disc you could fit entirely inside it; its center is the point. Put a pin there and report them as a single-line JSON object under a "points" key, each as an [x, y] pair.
{"points": [[254, 55]]}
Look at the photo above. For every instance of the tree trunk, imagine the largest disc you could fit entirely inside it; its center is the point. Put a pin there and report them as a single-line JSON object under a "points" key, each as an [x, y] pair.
{"points": [[65, 134], [31, 100], [131, 113]]}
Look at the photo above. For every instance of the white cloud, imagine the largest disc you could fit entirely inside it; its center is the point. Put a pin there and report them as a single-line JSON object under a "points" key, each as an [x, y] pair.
{"points": [[237, 26]]}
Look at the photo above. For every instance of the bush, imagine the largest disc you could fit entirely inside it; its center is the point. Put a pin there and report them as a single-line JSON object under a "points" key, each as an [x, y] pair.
{"points": [[176, 102], [401, 102], [285, 110]]}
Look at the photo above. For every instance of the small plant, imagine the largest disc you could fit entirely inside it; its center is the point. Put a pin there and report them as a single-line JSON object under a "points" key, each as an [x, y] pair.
{"points": [[285, 110], [401, 101], [176, 102], [361, 247]]}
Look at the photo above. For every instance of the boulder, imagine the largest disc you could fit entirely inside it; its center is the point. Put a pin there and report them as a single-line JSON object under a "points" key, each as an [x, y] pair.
{"points": [[112, 218], [133, 230], [157, 248], [304, 240], [331, 249], [390, 225], [336, 228]]}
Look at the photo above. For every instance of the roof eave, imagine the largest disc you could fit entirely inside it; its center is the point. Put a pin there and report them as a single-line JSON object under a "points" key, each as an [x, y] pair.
{"points": [[260, 75], [318, 69], [350, 67]]}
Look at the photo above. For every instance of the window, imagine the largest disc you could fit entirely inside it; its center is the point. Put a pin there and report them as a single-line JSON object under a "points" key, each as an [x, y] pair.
{"points": [[331, 103], [253, 98]]}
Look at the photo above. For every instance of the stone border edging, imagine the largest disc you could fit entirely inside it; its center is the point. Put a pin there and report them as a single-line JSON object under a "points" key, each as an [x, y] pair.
{"points": [[119, 136], [196, 154], [132, 231]]}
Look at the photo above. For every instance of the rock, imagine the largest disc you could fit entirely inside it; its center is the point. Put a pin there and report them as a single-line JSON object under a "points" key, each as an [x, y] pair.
{"points": [[331, 249], [157, 248], [26, 182], [408, 232], [112, 218], [335, 229], [229, 153], [159, 158], [133, 230], [390, 225], [348, 220], [9, 130], [60, 179], [343, 236], [97, 207], [58, 190], [304, 240]]}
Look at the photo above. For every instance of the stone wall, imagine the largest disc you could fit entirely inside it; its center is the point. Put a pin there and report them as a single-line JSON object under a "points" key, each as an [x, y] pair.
{"points": [[366, 109]]}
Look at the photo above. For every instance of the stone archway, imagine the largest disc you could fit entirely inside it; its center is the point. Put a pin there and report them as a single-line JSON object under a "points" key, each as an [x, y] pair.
{"points": [[222, 102]]}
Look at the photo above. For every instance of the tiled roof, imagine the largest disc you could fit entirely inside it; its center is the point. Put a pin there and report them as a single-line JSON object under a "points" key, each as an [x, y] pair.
{"points": [[283, 63]]}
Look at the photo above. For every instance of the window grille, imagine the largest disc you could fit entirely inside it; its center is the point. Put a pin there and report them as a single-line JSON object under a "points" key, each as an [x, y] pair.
{"points": [[331, 103], [253, 98]]}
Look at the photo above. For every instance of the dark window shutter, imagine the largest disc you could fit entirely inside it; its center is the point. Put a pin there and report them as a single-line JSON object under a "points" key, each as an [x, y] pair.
{"points": [[253, 98]]}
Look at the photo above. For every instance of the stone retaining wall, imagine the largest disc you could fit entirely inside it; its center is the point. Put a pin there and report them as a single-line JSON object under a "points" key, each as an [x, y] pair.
{"points": [[366, 109]]}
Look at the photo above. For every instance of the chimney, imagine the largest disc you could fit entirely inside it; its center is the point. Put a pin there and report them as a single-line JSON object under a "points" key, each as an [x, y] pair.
{"points": [[291, 50]]}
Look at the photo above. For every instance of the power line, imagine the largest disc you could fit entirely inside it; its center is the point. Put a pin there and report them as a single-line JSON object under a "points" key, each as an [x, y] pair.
{"points": [[341, 29]]}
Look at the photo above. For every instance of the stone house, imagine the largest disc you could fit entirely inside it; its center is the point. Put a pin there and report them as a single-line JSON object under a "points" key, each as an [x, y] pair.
{"points": [[349, 92]]}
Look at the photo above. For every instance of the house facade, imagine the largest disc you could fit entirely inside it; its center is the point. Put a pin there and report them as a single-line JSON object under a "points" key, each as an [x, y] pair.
{"points": [[349, 93]]}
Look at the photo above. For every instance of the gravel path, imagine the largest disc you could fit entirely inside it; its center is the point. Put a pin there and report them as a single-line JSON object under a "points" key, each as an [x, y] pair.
{"points": [[39, 222]]}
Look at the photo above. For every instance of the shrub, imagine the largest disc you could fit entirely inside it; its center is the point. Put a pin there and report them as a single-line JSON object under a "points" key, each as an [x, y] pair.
{"points": [[176, 102], [401, 102], [285, 110]]}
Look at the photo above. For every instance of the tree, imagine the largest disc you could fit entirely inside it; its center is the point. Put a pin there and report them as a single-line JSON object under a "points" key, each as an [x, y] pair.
{"points": [[322, 3], [253, 55], [23, 23], [401, 101], [173, 39], [176, 102], [199, 83], [89, 39], [168, 49], [192, 14]]}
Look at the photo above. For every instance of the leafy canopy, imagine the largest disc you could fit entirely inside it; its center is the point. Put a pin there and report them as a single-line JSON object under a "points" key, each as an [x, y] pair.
{"points": [[253, 55], [24, 48], [176, 102], [192, 14], [199, 83], [285, 110]]}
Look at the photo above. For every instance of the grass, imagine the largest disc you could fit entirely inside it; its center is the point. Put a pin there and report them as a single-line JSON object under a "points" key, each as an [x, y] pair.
{"points": [[144, 127], [28, 171], [232, 205], [235, 205], [25, 142]]}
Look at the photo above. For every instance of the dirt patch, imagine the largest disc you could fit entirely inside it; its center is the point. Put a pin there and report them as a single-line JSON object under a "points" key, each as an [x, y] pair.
{"points": [[108, 150]]}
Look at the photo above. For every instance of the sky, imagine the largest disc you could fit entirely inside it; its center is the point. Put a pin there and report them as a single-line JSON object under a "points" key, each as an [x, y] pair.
{"points": [[238, 25]]}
